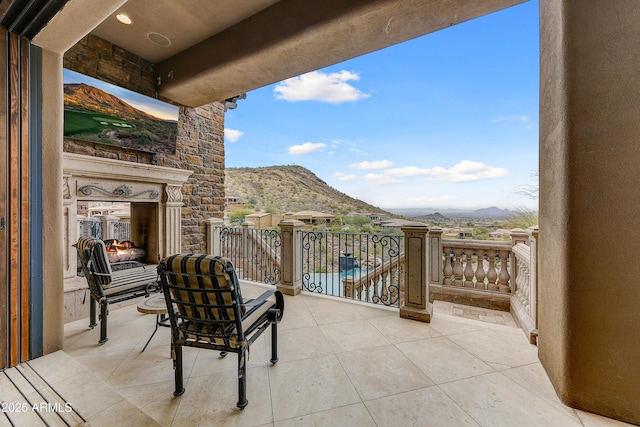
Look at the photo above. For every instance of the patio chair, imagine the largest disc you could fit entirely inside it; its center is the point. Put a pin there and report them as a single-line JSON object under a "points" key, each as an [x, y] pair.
{"points": [[107, 286], [206, 310]]}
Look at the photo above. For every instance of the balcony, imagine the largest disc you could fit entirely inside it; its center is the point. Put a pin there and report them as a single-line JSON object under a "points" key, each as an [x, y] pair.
{"points": [[340, 362]]}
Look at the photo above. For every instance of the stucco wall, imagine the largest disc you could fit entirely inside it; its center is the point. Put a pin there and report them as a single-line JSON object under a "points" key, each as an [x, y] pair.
{"points": [[589, 221]]}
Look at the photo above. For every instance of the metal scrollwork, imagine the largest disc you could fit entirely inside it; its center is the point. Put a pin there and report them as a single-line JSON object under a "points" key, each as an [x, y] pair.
{"points": [[122, 191]]}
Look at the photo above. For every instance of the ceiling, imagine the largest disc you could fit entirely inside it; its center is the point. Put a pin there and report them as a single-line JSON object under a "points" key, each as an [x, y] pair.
{"points": [[206, 50], [183, 24]]}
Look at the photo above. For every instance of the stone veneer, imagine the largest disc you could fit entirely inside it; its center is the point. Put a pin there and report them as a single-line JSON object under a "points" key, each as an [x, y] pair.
{"points": [[200, 148]]}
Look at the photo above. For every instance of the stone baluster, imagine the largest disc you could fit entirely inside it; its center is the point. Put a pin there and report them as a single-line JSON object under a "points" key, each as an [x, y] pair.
{"points": [[480, 274], [448, 267], [492, 275], [504, 272], [457, 267], [468, 269]]}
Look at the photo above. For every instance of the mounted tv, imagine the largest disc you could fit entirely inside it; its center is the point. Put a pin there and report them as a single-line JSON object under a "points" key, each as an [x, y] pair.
{"points": [[100, 112]]}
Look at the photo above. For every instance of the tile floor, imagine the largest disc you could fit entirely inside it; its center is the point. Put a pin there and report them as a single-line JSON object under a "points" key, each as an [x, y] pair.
{"points": [[340, 364]]}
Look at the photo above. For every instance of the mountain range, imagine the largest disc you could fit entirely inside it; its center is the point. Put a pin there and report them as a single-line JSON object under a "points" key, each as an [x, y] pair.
{"points": [[279, 189]]}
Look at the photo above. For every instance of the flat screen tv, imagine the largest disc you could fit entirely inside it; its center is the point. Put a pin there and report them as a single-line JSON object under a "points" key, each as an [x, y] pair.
{"points": [[101, 112]]}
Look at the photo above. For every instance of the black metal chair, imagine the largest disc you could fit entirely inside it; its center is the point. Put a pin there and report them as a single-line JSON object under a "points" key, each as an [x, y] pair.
{"points": [[206, 310], [107, 286]]}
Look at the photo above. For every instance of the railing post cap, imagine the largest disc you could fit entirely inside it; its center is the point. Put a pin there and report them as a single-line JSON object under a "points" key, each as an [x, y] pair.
{"points": [[416, 227], [215, 221], [248, 224]]}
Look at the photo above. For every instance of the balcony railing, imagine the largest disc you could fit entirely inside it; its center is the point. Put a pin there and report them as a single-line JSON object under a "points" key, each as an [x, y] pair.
{"points": [[254, 253], [383, 269], [477, 264], [359, 266]]}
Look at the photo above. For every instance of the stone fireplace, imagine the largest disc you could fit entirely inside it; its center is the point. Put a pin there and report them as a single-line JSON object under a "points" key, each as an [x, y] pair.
{"points": [[155, 197]]}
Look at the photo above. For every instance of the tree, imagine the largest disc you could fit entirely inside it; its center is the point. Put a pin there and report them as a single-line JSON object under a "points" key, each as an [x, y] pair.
{"points": [[524, 218], [238, 215]]}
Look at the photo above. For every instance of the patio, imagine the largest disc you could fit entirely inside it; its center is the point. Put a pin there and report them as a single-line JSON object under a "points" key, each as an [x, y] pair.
{"points": [[340, 363]]}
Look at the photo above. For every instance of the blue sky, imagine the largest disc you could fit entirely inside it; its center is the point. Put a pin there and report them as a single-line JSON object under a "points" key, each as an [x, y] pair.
{"points": [[448, 120]]}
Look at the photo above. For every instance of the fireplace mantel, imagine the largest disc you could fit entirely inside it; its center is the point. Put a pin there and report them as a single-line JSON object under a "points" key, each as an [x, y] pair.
{"points": [[156, 192], [101, 168]]}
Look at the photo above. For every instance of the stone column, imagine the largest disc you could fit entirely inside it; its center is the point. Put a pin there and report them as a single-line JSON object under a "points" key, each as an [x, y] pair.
{"points": [[533, 281], [173, 220], [590, 204], [416, 305], [435, 276], [70, 229], [214, 227], [290, 257]]}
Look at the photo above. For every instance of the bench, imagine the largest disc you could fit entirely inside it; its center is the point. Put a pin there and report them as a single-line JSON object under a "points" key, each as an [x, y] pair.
{"points": [[107, 286]]}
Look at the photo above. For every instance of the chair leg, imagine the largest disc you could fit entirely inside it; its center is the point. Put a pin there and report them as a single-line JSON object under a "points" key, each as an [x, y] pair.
{"points": [[92, 313], [177, 350], [104, 307], [274, 343], [242, 379]]}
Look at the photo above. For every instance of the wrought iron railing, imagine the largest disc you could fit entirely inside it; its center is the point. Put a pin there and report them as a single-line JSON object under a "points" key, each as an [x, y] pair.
{"points": [[358, 266], [255, 253]]}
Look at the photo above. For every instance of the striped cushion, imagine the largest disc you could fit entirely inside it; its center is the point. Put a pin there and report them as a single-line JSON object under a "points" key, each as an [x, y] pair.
{"points": [[99, 262], [207, 295]]}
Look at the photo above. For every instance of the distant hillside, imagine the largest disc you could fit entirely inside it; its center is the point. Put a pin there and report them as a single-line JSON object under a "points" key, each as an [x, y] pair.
{"points": [[491, 212], [280, 189]]}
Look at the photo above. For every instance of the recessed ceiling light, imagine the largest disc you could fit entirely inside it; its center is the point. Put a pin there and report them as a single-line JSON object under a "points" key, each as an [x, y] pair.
{"points": [[124, 19]]}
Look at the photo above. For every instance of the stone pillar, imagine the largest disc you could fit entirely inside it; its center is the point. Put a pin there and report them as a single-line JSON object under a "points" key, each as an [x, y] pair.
{"points": [[590, 204], [173, 220], [247, 244], [434, 240], [533, 281], [290, 257], [416, 305], [214, 227]]}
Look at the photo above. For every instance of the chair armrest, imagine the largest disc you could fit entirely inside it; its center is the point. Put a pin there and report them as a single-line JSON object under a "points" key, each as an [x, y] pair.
{"points": [[259, 300]]}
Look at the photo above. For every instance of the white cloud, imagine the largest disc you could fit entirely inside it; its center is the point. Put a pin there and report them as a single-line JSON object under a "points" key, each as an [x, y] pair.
{"points": [[232, 135], [512, 118], [466, 171], [318, 86], [306, 148], [376, 164], [407, 171], [358, 151], [344, 177], [377, 179]]}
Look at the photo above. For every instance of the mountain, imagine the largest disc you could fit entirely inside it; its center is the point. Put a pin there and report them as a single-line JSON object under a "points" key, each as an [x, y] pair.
{"points": [[492, 212], [280, 189]]}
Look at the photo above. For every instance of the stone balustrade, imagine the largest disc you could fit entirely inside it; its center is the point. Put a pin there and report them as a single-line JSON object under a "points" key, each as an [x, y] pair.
{"points": [[477, 264]]}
